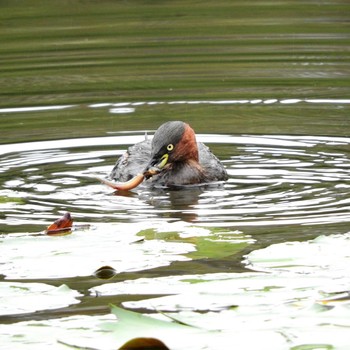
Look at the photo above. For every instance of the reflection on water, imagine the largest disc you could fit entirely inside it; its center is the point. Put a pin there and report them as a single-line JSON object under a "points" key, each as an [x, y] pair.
{"points": [[273, 180], [121, 107]]}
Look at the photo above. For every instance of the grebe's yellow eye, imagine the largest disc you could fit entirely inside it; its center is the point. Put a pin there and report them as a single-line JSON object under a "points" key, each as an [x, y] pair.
{"points": [[170, 147]]}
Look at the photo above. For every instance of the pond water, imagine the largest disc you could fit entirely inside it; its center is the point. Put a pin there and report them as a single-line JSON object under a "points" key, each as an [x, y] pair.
{"points": [[262, 256]]}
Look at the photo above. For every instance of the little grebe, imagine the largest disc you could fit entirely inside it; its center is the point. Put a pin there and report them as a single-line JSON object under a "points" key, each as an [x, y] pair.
{"points": [[173, 158]]}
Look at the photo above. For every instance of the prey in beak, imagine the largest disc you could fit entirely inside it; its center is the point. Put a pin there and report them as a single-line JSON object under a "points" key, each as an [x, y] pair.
{"points": [[135, 181], [156, 165]]}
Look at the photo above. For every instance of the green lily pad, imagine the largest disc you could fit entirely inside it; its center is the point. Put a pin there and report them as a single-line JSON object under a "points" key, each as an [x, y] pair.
{"points": [[81, 253], [217, 248], [18, 298], [211, 243], [315, 256]]}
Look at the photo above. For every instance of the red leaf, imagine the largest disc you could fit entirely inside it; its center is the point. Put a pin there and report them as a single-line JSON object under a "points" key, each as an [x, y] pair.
{"points": [[60, 226]]}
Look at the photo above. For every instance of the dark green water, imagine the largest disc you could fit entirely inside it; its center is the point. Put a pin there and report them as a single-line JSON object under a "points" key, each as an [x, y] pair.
{"points": [[265, 84], [86, 52]]}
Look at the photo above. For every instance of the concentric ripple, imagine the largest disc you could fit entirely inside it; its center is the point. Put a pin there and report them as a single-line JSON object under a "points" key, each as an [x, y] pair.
{"points": [[273, 180]]}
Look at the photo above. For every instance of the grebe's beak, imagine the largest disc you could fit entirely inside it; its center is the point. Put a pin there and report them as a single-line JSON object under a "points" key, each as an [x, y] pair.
{"points": [[156, 165]]}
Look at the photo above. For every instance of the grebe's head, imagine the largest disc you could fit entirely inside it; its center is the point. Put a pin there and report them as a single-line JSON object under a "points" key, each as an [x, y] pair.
{"points": [[173, 142]]}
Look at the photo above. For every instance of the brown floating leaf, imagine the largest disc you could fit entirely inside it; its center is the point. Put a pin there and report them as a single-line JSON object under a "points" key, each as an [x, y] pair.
{"points": [[60, 226], [144, 344], [105, 272]]}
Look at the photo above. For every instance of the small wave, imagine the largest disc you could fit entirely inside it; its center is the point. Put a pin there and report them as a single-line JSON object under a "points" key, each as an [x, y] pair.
{"points": [[273, 180], [121, 107]]}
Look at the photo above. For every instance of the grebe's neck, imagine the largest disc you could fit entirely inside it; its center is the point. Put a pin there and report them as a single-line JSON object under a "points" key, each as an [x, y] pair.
{"points": [[187, 150], [184, 173]]}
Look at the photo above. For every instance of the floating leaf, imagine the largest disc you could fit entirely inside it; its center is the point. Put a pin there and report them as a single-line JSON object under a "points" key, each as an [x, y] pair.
{"points": [[217, 248], [132, 325], [74, 332], [105, 272], [315, 256], [144, 344], [61, 226], [18, 298], [313, 347], [137, 320], [105, 244], [212, 243]]}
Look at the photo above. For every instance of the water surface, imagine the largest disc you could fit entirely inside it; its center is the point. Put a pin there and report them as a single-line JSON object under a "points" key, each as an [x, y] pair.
{"points": [[265, 85]]}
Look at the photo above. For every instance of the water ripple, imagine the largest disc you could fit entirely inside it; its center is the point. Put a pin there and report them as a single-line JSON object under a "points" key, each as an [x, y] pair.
{"points": [[128, 107], [273, 180]]}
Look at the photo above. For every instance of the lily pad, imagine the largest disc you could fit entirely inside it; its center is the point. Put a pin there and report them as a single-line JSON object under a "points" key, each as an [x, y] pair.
{"points": [[83, 252], [105, 272], [218, 247], [48, 334], [316, 256], [18, 298], [176, 335], [281, 302], [144, 343], [210, 243]]}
